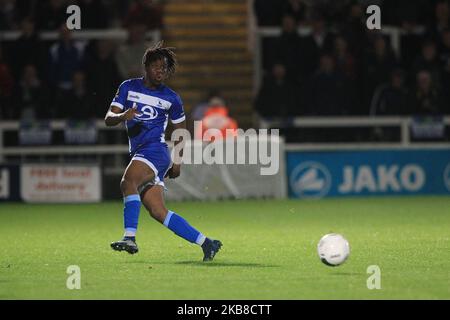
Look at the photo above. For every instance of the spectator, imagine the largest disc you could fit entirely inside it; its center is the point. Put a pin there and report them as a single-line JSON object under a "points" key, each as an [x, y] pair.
{"points": [[216, 117], [345, 62], [354, 28], [51, 14], [410, 47], [331, 10], [377, 68], [6, 88], [286, 48], [296, 9], [94, 14], [322, 38], [329, 92], [268, 12], [428, 60], [277, 96], [426, 98], [198, 111], [27, 49], [312, 46], [8, 15], [26, 8], [145, 12], [391, 98], [31, 95], [129, 56], [120, 9], [444, 46], [405, 12], [445, 61], [76, 103], [441, 19], [66, 58], [103, 75]]}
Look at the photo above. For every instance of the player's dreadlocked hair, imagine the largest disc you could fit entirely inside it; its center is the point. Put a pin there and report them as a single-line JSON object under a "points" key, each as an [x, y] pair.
{"points": [[158, 52]]}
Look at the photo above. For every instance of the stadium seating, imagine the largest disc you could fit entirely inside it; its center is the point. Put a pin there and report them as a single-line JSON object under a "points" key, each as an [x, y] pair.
{"points": [[211, 38]]}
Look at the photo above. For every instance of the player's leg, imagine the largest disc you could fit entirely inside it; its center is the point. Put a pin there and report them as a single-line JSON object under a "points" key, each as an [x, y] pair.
{"points": [[153, 200], [135, 174]]}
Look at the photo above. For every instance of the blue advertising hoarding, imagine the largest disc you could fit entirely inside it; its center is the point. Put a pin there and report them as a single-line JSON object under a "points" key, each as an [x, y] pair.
{"points": [[362, 173]]}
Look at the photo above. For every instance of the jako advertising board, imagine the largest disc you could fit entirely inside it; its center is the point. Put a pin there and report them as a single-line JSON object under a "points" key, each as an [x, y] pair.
{"points": [[363, 173]]}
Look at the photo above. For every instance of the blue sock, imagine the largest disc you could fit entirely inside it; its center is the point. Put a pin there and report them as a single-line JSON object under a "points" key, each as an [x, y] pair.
{"points": [[132, 205], [183, 229]]}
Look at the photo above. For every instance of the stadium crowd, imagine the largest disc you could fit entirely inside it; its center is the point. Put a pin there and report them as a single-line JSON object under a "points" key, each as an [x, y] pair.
{"points": [[339, 68], [342, 68], [69, 78]]}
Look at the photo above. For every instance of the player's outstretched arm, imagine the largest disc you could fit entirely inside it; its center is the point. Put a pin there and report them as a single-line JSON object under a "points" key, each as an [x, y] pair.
{"points": [[114, 116]]}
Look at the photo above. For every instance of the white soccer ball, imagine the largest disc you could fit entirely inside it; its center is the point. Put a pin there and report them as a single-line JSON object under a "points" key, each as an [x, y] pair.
{"points": [[333, 249]]}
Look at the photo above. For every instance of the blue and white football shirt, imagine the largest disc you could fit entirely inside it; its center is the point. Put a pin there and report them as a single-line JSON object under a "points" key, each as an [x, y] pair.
{"points": [[156, 106]]}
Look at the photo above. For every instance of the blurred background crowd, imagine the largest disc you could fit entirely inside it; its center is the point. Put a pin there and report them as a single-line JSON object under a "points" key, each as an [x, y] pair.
{"points": [[67, 78], [339, 67]]}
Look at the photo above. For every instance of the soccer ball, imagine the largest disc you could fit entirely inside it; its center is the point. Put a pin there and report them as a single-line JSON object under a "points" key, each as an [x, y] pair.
{"points": [[333, 249]]}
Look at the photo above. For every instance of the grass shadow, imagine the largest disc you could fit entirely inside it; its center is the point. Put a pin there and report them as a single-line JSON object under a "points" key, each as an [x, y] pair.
{"points": [[348, 274], [207, 264], [226, 264]]}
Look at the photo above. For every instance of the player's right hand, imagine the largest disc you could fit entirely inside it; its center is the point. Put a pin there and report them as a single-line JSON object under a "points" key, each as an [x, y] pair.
{"points": [[173, 172], [130, 114]]}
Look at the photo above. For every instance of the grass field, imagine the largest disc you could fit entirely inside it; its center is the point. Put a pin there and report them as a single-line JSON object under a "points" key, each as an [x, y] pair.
{"points": [[269, 251]]}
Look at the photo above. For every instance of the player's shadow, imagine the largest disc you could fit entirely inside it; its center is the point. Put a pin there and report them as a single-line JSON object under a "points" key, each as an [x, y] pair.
{"points": [[348, 274], [210, 264], [226, 264]]}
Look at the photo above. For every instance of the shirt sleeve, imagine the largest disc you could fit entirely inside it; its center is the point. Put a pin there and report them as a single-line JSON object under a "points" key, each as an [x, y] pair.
{"points": [[121, 96], [176, 111]]}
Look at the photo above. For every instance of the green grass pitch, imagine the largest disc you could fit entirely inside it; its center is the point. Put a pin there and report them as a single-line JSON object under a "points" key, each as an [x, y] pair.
{"points": [[269, 251]]}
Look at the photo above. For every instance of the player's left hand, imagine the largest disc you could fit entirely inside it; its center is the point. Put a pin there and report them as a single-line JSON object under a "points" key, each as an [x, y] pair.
{"points": [[174, 172]]}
